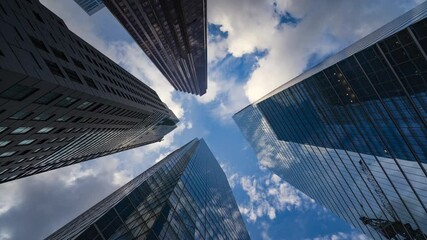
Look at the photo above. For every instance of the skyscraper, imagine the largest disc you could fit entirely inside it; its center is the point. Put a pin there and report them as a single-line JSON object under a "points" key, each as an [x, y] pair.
{"points": [[351, 132], [173, 35], [184, 196], [62, 101], [90, 6]]}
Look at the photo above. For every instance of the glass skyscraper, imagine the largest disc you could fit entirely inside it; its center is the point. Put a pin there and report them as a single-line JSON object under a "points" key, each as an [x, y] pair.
{"points": [[173, 34], [62, 101], [90, 6], [184, 196], [352, 132]]}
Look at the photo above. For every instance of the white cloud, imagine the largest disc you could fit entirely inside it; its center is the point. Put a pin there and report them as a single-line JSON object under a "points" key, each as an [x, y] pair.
{"points": [[232, 100], [232, 176], [9, 197], [322, 30], [217, 48], [212, 92], [45, 202], [5, 236], [264, 232], [225, 94], [268, 195], [233, 180], [226, 97], [251, 26]]}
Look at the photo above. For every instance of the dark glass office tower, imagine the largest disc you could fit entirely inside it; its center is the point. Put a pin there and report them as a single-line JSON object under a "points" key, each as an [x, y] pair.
{"points": [[351, 133], [61, 100], [184, 196], [173, 35], [90, 6]]}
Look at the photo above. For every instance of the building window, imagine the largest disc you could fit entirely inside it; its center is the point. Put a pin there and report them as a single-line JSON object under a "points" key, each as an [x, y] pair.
{"points": [[38, 17], [46, 149], [43, 117], [96, 107], [21, 130], [77, 119], [21, 160], [48, 98], [25, 152], [18, 92], [45, 130], [78, 63], [54, 68], [26, 142], [90, 82], [7, 154], [63, 119], [4, 143], [72, 75], [42, 141], [85, 105], [66, 102], [14, 169], [38, 43], [59, 54], [2, 129], [60, 130], [20, 115]]}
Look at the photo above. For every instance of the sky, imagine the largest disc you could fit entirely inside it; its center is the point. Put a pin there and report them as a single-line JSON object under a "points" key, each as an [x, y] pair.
{"points": [[254, 46]]}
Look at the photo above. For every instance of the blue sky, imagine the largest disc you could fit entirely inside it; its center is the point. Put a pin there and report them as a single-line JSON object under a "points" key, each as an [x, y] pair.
{"points": [[254, 46]]}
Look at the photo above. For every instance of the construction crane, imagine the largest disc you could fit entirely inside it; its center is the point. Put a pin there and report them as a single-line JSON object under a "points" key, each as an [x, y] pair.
{"points": [[378, 190], [389, 229], [393, 229]]}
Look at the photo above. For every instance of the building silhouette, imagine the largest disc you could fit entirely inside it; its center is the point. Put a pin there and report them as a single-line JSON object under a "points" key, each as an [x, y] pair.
{"points": [[173, 34], [62, 101], [351, 132], [184, 196], [90, 6]]}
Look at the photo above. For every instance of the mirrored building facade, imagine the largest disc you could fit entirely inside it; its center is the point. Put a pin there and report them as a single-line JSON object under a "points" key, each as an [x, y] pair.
{"points": [[90, 6], [184, 196], [173, 34], [352, 132], [62, 101]]}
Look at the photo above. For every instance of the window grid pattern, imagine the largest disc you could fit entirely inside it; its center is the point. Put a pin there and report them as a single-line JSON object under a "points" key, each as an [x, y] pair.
{"points": [[172, 34], [184, 196], [72, 88], [353, 135]]}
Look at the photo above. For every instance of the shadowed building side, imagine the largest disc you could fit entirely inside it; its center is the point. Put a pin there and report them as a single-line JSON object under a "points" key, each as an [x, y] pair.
{"points": [[173, 34], [62, 101]]}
